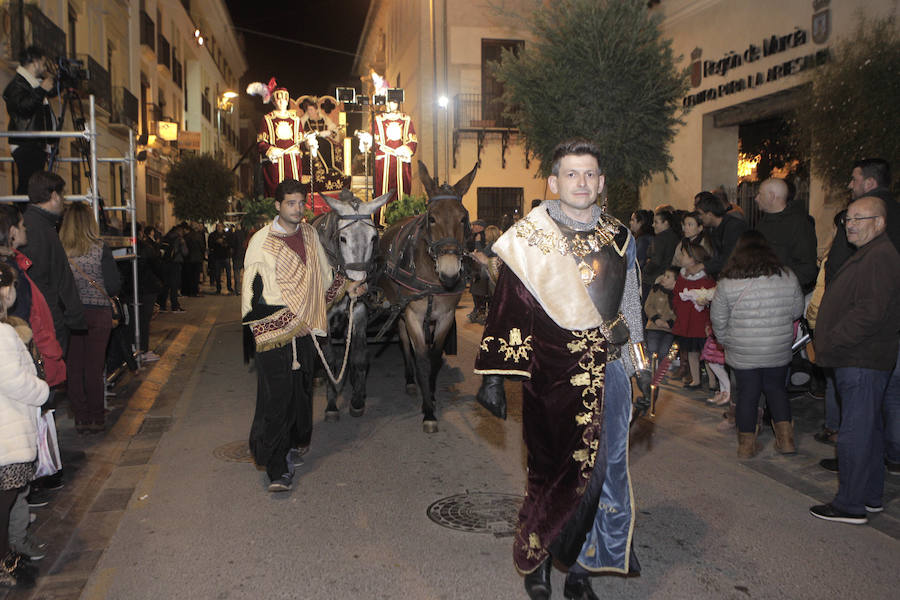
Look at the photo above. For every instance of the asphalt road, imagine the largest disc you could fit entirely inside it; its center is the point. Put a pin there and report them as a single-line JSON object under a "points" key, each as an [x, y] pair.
{"points": [[181, 513]]}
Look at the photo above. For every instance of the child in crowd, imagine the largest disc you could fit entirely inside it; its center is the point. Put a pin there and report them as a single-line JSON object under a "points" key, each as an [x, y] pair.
{"points": [[22, 392], [714, 355], [690, 298], [660, 314]]}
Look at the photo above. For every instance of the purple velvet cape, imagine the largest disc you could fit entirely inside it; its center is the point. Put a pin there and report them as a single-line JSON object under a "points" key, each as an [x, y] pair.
{"points": [[562, 406]]}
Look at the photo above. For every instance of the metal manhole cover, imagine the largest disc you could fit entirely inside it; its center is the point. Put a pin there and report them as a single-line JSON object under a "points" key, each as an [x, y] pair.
{"points": [[478, 512], [234, 452]]}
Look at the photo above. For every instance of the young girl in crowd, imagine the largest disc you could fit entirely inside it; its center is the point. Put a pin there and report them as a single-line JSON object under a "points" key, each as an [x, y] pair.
{"points": [[691, 297], [22, 393], [692, 230], [660, 314], [713, 354]]}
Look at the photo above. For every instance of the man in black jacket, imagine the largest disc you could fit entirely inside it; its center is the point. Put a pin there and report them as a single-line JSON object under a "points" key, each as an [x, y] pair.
{"points": [[724, 229], [29, 110], [50, 269], [789, 230]]}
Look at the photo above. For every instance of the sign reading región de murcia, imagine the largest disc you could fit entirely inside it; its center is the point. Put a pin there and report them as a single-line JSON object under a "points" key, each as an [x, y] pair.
{"points": [[705, 73]]}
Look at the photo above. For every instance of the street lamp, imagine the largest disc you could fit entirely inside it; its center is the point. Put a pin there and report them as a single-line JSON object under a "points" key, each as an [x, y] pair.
{"points": [[224, 103], [444, 104]]}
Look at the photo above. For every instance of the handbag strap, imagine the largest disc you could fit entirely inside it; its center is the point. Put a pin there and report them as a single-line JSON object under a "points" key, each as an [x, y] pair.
{"points": [[96, 285]]}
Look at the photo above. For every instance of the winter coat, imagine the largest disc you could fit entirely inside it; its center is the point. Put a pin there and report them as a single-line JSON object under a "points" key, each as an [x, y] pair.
{"points": [[723, 238], [41, 322], [662, 249], [51, 272], [27, 110], [859, 316], [757, 328], [841, 249], [690, 322], [22, 392], [659, 306], [792, 235]]}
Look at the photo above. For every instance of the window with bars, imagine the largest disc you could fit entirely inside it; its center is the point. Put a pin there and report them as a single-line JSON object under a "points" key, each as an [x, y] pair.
{"points": [[491, 89], [497, 205]]}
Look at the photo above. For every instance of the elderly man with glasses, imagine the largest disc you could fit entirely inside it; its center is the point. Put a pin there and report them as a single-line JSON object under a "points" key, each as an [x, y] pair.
{"points": [[857, 335]]}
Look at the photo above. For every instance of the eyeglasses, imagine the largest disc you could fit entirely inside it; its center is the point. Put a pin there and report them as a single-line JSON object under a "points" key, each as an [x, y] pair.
{"points": [[845, 219]]}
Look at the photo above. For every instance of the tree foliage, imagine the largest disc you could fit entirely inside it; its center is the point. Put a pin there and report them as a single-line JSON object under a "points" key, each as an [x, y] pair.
{"points": [[849, 111], [199, 187], [405, 207], [599, 70], [257, 211]]}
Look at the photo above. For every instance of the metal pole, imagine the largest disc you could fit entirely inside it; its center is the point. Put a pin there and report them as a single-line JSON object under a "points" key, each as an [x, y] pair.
{"points": [[132, 202], [92, 140], [434, 88], [447, 92]]}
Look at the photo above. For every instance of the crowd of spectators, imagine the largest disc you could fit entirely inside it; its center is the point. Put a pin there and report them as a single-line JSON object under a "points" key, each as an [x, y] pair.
{"points": [[739, 297], [59, 283], [739, 302]]}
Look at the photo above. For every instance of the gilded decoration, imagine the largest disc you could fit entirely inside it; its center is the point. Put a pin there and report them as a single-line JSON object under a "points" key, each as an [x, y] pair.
{"points": [[532, 548], [514, 349], [603, 234], [590, 344]]}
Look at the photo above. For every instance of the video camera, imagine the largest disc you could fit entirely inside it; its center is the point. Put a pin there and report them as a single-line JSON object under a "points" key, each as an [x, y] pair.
{"points": [[70, 71]]}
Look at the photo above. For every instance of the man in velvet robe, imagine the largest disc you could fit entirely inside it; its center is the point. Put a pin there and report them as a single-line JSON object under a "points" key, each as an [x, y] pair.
{"points": [[565, 319], [279, 140], [395, 144]]}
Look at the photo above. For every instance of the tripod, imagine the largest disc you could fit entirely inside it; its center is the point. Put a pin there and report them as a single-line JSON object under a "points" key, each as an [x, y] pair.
{"points": [[72, 106]]}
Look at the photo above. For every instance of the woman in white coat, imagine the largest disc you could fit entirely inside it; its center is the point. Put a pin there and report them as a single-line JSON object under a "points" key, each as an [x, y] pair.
{"points": [[753, 311], [22, 393]]}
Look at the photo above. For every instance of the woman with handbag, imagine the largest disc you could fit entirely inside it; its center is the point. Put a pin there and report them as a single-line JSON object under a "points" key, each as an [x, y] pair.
{"points": [[98, 283], [22, 392], [753, 311]]}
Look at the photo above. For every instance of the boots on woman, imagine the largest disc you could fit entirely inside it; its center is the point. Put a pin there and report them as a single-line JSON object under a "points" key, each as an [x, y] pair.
{"points": [[747, 447], [784, 437]]}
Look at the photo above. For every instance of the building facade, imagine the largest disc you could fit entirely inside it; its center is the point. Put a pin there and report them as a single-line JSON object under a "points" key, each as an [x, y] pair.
{"points": [[157, 67], [747, 62]]}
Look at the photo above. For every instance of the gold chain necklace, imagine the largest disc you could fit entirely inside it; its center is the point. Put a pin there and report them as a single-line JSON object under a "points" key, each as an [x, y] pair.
{"points": [[581, 246]]}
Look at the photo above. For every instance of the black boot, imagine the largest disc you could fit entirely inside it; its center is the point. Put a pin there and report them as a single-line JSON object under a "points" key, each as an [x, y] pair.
{"points": [[537, 583], [579, 588]]}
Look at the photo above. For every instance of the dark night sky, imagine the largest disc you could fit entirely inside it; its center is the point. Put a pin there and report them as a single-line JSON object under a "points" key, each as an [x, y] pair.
{"points": [[301, 69]]}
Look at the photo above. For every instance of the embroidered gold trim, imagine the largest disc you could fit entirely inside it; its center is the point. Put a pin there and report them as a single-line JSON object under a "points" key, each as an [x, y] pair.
{"points": [[604, 234], [590, 343], [514, 349]]}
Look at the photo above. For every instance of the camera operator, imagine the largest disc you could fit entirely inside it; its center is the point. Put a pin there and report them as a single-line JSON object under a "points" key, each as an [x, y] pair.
{"points": [[27, 102]]}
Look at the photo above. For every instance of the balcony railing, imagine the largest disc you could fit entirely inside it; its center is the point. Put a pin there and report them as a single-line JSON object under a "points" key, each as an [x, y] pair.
{"points": [[206, 108], [473, 112], [148, 31], [177, 73], [124, 108], [163, 52], [154, 115], [97, 82], [44, 32]]}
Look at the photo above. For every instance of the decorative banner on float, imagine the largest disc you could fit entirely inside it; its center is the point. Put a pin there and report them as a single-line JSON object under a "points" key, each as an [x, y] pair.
{"points": [[189, 140]]}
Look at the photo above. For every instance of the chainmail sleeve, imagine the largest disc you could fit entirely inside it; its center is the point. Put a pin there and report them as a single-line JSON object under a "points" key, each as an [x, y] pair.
{"points": [[631, 306]]}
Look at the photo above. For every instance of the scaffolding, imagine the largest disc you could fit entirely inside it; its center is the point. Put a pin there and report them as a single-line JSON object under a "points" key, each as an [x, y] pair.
{"points": [[93, 196]]}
